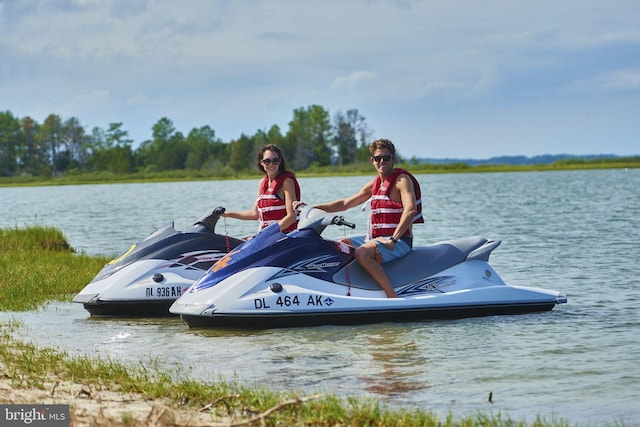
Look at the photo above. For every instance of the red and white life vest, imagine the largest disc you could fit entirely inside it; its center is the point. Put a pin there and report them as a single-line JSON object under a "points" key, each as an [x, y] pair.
{"points": [[386, 213], [271, 207]]}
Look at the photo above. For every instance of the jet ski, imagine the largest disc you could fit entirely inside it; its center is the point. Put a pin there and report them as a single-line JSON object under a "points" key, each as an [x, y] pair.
{"points": [[301, 279], [147, 278]]}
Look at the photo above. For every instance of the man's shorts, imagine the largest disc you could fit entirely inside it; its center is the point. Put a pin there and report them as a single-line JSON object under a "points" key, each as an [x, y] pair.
{"points": [[383, 254]]}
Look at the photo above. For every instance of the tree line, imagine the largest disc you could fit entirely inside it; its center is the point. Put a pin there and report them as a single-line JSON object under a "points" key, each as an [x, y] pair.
{"points": [[60, 146]]}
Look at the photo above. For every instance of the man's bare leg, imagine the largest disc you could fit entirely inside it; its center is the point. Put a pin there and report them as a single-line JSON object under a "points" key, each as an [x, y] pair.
{"points": [[366, 257]]}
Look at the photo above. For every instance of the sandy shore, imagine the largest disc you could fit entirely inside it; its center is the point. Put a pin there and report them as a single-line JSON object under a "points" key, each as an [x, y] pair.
{"points": [[91, 407]]}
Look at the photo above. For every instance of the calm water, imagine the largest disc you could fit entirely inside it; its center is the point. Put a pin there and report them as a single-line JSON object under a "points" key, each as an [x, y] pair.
{"points": [[577, 232]]}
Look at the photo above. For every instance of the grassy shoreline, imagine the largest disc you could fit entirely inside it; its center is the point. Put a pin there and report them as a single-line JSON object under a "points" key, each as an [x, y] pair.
{"points": [[38, 266], [313, 172]]}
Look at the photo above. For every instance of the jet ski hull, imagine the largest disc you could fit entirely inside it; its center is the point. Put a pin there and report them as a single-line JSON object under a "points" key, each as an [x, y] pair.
{"points": [[287, 320], [129, 308]]}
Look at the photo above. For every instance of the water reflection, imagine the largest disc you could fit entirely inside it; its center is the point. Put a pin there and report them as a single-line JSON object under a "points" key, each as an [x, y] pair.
{"points": [[380, 359], [397, 364]]}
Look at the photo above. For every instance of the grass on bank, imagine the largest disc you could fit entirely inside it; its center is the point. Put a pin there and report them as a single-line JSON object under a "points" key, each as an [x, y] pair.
{"points": [[38, 265], [29, 367], [364, 168]]}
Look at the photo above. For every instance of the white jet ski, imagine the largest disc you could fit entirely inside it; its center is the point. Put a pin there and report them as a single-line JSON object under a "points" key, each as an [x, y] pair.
{"points": [[147, 278], [302, 279]]}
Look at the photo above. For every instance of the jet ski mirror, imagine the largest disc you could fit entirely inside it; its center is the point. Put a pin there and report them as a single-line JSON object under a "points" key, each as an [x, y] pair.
{"points": [[211, 218]]}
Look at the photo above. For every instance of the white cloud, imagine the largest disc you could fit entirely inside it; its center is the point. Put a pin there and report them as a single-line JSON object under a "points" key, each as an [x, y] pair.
{"points": [[95, 98], [354, 79], [621, 80], [626, 80], [245, 65]]}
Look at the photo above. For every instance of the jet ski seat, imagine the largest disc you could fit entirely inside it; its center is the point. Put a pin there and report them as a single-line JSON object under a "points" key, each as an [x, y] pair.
{"points": [[422, 262]]}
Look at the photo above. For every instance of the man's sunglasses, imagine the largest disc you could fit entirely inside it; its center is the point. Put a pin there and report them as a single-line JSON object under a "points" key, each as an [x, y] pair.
{"points": [[386, 158], [275, 161]]}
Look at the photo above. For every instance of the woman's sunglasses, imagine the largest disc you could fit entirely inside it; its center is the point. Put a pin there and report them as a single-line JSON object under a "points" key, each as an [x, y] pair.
{"points": [[275, 161], [386, 158]]}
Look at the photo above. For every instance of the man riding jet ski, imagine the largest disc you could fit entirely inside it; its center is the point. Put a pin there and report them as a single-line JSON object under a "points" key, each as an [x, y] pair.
{"points": [[302, 279]]}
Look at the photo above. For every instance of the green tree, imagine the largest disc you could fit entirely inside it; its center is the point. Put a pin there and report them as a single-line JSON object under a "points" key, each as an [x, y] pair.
{"points": [[115, 136], [166, 151], [174, 153], [350, 132], [274, 136], [310, 133], [57, 147], [51, 136], [76, 145], [111, 150], [242, 153], [34, 159], [203, 148], [118, 156], [119, 159], [10, 143], [98, 139]]}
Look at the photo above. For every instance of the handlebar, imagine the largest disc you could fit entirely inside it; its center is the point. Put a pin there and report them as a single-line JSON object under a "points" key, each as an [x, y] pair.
{"points": [[339, 220], [317, 219]]}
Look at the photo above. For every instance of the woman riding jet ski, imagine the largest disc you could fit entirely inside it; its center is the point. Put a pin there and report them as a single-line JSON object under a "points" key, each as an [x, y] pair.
{"points": [[153, 273], [300, 278]]}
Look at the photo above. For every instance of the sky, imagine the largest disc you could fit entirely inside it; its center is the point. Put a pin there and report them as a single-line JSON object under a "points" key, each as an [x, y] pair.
{"points": [[440, 78]]}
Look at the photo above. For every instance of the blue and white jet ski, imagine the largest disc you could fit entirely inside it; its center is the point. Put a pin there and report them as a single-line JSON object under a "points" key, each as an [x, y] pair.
{"points": [[301, 279], [147, 278]]}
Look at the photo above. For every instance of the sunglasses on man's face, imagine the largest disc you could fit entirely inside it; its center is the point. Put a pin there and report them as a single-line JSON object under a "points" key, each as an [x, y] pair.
{"points": [[275, 161], [386, 158]]}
